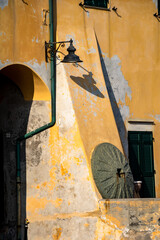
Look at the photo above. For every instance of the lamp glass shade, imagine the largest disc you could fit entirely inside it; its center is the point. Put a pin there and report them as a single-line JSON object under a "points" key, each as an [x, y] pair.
{"points": [[71, 57]]}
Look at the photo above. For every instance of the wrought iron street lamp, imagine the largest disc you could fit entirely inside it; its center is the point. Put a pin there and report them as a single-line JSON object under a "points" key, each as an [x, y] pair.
{"points": [[50, 51]]}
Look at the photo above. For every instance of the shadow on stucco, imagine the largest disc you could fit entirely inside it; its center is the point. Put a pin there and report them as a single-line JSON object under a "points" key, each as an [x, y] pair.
{"points": [[116, 111], [14, 112], [88, 83]]}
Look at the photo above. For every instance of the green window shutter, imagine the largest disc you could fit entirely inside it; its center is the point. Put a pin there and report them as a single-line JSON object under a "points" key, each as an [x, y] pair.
{"points": [[134, 155], [96, 3], [102, 3], [147, 152], [141, 161], [89, 2], [147, 165]]}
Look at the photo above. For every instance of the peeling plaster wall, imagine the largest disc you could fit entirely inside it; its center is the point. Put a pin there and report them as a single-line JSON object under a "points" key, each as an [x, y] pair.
{"points": [[155, 2], [3, 4], [42, 69], [118, 83], [58, 177], [118, 89], [129, 219]]}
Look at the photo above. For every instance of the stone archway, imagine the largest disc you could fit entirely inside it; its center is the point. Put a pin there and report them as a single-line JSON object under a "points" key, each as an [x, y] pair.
{"points": [[21, 90], [14, 113]]}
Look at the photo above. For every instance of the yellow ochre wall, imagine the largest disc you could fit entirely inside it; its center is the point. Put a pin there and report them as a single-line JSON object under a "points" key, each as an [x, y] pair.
{"points": [[129, 46], [61, 197]]}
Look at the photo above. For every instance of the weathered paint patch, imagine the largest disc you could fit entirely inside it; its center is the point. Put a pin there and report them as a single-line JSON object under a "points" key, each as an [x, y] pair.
{"points": [[157, 117], [155, 2], [57, 233], [75, 41], [34, 39], [3, 64], [64, 228], [3, 34], [124, 111], [119, 92], [142, 221], [65, 115], [119, 83], [3, 3], [43, 70], [91, 50]]}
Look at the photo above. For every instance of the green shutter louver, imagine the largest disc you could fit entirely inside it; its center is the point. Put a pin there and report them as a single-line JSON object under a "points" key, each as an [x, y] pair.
{"points": [[89, 2], [96, 3], [141, 161]]}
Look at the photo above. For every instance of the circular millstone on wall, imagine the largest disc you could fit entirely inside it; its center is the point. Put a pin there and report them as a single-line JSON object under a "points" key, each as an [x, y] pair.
{"points": [[111, 172]]}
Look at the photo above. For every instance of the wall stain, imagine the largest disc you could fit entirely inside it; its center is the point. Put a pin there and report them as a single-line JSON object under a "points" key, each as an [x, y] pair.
{"points": [[3, 4]]}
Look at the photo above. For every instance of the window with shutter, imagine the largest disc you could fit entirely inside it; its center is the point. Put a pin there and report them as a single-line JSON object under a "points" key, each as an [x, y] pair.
{"points": [[141, 161], [96, 3]]}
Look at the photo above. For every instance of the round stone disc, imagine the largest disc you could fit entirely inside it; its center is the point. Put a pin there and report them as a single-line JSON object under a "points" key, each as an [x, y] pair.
{"points": [[111, 172]]}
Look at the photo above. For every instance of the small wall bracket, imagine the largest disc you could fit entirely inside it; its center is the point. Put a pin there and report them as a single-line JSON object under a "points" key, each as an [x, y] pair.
{"points": [[24, 2], [115, 10], [157, 16], [45, 11], [83, 6]]}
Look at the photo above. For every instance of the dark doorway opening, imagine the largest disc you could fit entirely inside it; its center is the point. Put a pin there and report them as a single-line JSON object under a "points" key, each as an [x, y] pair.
{"points": [[1, 179], [14, 113]]}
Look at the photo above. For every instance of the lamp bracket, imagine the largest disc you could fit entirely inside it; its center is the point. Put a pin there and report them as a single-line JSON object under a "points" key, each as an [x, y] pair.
{"points": [[51, 50]]}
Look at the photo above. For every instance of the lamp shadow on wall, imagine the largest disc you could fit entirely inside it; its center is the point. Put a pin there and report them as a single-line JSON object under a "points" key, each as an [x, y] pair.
{"points": [[116, 111], [88, 83]]}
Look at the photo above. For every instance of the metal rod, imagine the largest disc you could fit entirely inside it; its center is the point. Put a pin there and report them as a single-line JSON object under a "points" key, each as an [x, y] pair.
{"points": [[48, 43]]}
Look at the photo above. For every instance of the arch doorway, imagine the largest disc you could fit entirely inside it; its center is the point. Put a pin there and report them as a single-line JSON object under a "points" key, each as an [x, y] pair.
{"points": [[19, 87], [14, 113]]}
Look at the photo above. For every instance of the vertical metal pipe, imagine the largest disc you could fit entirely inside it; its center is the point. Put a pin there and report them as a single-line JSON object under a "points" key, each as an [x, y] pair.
{"points": [[18, 192], [38, 130]]}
